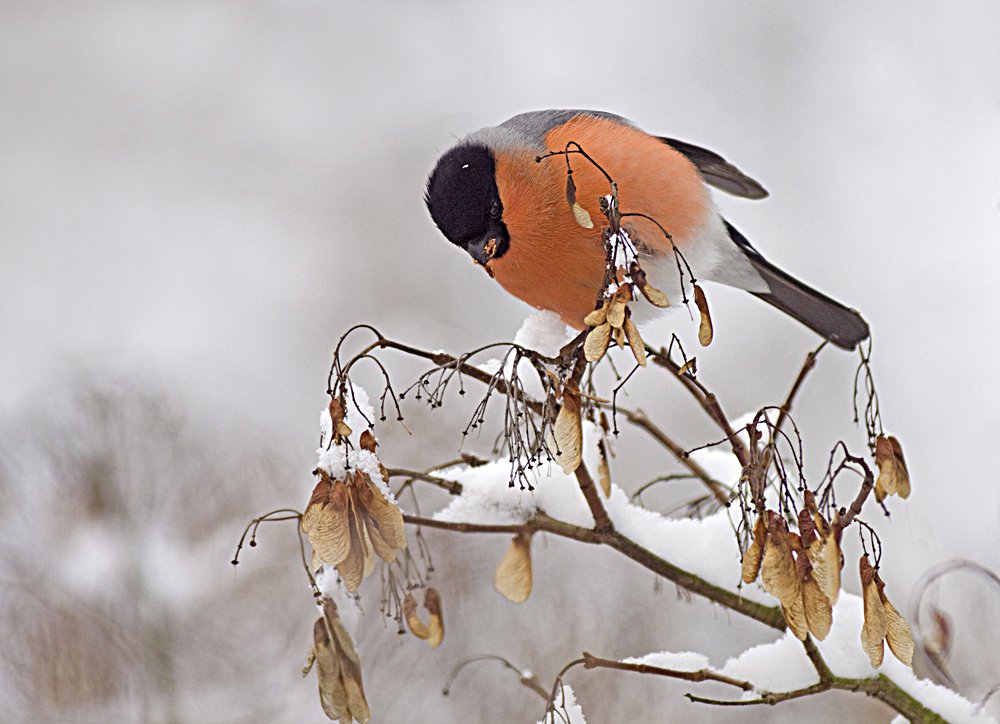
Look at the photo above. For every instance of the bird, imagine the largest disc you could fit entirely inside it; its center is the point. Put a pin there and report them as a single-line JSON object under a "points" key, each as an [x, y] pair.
{"points": [[501, 195]]}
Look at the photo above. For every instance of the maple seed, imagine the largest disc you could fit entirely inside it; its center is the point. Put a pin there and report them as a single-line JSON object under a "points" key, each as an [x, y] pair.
{"points": [[513, 576], [603, 470], [417, 627], [597, 342], [893, 476], [340, 428], [597, 317], [338, 669], [568, 432], [635, 341], [752, 558], [653, 295], [876, 623], [705, 329], [432, 602]]}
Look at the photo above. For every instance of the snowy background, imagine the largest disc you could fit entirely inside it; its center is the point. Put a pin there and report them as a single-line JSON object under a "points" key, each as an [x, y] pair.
{"points": [[197, 199]]}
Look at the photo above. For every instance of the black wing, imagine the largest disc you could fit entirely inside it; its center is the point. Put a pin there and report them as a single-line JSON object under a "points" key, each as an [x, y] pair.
{"points": [[829, 319], [717, 171]]}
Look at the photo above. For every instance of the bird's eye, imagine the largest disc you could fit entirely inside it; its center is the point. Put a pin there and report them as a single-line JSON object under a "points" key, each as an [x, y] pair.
{"points": [[495, 210]]}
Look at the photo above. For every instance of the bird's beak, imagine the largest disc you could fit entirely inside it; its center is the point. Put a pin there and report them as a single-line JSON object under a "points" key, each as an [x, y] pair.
{"points": [[482, 250]]}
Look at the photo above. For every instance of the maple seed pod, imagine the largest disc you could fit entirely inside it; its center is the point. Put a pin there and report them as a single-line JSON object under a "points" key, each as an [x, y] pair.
{"points": [[752, 558], [338, 669], [781, 577], [432, 602], [597, 317], [413, 622], [689, 367], [616, 310], [597, 342], [513, 576], [818, 609], [340, 428], [635, 341], [893, 476], [898, 634], [705, 329], [367, 442], [603, 469], [568, 432], [876, 623]]}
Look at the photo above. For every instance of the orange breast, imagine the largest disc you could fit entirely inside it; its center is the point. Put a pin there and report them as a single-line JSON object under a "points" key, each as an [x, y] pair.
{"points": [[553, 262]]}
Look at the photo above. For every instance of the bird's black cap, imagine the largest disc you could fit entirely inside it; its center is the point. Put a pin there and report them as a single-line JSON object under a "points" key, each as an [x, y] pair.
{"points": [[463, 198]]}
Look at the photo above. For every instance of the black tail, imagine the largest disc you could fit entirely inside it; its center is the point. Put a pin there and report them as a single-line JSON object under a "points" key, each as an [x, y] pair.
{"points": [[829, 319]]}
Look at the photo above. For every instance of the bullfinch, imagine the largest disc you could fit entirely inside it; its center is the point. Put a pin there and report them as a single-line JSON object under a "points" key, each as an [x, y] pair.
{"points": [[498, 195]]}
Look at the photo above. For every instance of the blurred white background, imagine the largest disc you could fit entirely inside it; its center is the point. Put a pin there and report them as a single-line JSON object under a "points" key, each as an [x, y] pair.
{"points": [[198, 198]]}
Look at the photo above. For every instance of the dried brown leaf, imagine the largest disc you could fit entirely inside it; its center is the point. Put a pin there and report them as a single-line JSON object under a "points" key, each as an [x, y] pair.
{"points": [[513, 576], [432, 602], [568, 432], [635, 341], [705, 328], [597, 342]]}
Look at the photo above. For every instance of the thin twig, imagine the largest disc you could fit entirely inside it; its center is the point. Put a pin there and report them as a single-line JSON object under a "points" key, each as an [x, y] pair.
{"points": [[592, 662], [767, 615]]}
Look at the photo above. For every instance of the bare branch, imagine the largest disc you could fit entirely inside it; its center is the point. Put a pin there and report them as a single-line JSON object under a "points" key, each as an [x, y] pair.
{"points": [[592, 662]]}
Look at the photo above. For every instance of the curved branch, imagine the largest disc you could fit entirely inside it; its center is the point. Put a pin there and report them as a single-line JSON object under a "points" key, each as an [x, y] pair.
{"points": [[768, 615]]}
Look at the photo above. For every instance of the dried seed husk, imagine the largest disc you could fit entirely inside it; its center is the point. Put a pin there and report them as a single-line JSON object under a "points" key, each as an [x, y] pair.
{"points": [[654, 296], [367, 441], [635, 341], [432, 602], [581, 216], [898, 633], [818, 608], [619, 335], [603, 470], [876, 623], [688, 367], [332, 693], [417, 627], [568, 432], [778, 571], [824, 555], [386, 517], [352, 567], [616, 309], [755, 552], [893, 476], [347, 670], [325, 520], [597, 317], [705, 328], [597, 342], [513, 576]]}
